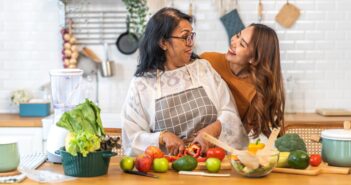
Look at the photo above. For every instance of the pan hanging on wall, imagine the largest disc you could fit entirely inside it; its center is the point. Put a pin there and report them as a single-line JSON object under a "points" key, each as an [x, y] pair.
{"points": [[127, 43]]}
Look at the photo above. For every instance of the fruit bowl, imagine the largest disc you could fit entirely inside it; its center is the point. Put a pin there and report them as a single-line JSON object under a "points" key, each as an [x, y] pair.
{"points": [[261, 171]]}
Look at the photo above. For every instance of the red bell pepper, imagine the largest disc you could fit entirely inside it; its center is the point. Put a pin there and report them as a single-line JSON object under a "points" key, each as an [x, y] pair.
{"points": [[193, 150]]}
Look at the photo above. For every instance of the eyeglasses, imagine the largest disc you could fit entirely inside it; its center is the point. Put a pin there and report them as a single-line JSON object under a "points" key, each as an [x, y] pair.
{"points": [[189, 39]]}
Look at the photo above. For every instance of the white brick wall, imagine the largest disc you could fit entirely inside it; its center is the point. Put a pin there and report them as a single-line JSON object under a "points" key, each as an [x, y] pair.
{"points": [[315, 52]]}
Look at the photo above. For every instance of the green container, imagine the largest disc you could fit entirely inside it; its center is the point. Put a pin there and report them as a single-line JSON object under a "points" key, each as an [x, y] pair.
{"points": [[336, 147], [94, 164], [9, 157]]}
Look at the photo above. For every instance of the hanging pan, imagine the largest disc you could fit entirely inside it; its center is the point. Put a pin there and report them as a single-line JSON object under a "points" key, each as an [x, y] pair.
{"points": [[127, 43]]}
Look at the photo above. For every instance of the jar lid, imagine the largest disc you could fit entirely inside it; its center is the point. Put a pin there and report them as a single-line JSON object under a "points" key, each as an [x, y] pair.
{"points": [[336, 134]]}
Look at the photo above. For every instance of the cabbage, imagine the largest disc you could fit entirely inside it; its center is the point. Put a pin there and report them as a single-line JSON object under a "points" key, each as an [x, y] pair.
{"points": [[85, 127], [82, 142]]}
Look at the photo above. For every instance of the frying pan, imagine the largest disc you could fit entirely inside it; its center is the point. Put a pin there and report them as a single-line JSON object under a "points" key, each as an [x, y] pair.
{"points": [[127, 43]]}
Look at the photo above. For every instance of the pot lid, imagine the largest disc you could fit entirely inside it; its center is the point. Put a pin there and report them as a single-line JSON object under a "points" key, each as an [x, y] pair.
{"points": [[337, 134]]}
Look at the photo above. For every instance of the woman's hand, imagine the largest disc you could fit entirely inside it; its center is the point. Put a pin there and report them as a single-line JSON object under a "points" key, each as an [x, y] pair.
{"points": [[213, 129], [173, 143]]}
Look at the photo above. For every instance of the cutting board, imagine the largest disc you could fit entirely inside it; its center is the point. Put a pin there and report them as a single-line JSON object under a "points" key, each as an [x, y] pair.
{"points": [[333, 112], [313, 171]]}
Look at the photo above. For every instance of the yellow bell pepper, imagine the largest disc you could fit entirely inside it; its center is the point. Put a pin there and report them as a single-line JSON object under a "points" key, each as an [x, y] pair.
{"points": [[254, 147]]}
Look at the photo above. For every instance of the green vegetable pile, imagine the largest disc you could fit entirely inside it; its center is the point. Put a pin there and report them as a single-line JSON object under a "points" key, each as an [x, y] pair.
{"points": [[85, 127], [297, 153], [290, 142]]}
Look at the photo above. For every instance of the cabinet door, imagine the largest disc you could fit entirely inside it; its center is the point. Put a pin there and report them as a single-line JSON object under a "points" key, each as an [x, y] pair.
{"points": [[29, 139]]}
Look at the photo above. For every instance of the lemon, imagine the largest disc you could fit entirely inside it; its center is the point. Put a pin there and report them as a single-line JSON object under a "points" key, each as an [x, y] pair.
{"points": [[283, 160]]}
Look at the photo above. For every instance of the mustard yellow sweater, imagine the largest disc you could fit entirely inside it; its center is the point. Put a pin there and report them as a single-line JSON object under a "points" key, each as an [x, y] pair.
{"points": [[242, 88]]}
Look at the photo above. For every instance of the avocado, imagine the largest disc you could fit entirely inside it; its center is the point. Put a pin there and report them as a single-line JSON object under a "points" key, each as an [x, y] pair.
{"points": [[186, 163], [298, 159]]}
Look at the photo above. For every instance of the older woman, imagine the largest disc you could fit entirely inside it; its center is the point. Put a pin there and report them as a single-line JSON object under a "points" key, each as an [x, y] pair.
{"points": [[174, 99], [251, 68]]}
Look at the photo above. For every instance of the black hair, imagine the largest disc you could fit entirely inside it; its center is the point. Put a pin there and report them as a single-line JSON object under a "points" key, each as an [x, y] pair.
{"points": [[160, 26]]}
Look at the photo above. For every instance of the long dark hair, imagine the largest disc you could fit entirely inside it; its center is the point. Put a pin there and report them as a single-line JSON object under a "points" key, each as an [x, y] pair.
{"points": [[267, 107], [160, 26]]}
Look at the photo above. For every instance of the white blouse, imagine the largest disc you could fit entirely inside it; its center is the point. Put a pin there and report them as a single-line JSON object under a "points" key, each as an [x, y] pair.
{"points": [[138, 113]]}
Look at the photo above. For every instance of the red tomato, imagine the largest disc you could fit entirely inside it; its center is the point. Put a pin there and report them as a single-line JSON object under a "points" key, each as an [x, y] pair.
{"points": [[216, 152], [315, 159]]}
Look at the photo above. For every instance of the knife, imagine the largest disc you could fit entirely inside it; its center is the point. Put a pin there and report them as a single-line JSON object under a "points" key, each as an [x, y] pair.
{"points": [[204, 174], [141, 173]]}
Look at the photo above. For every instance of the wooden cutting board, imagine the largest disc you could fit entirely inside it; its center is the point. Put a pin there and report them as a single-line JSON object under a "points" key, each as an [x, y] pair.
{"points": [[333, 112], [313, 171]]}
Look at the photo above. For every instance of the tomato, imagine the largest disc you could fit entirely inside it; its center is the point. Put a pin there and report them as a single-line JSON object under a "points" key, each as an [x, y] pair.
{"points": [[315, 159], [216, 152]]}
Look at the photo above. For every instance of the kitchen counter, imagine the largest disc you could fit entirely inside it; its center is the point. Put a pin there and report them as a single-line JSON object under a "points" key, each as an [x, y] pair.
{"points": [[116, 176], [14, 120], [313, 118]]}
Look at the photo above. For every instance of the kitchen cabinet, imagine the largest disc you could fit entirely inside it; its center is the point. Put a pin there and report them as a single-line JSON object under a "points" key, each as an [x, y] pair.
{"points": [[27, 131], [29, 139]]}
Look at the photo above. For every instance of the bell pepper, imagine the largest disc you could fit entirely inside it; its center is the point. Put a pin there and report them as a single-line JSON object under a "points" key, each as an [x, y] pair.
{"points": [[171, 158], [193, 150], [254, 147]]}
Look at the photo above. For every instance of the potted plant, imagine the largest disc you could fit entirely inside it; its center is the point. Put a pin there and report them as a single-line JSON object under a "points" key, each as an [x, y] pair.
{"points": [[87, 152]]}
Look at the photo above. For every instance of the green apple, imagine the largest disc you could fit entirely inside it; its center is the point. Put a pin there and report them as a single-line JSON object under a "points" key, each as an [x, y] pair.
{"points": [[160, 165], [213, 165], [127, 163]]}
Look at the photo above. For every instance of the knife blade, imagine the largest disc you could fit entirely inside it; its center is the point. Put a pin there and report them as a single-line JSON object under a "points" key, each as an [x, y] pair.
{"points": [[141, 173]]}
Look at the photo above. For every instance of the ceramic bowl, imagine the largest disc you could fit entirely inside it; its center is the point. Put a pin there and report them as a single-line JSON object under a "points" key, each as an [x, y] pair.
{"points": [[9, 157]]}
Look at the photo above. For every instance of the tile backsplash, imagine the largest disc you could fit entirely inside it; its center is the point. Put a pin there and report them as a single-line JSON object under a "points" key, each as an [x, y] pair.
{"points": [[315, 52]]}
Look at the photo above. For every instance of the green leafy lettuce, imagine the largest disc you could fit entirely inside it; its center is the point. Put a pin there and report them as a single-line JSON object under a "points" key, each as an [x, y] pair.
{"points": [[82, 142], [85, 125]]}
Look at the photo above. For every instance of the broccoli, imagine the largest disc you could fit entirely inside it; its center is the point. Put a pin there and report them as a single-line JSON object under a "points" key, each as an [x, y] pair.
{"points": [[290, 142]]}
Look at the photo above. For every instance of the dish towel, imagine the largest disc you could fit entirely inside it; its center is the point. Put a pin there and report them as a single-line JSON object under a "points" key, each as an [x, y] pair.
{"points": [[232, 23]]}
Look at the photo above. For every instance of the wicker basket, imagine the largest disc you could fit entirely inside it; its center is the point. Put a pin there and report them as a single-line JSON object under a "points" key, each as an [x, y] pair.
{"points": [[94, 164], [306, 130]]}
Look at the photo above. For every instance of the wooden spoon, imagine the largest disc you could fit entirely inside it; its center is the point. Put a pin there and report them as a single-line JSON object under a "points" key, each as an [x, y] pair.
{"points": [[245, 157], [264, 154], [90, 54]]}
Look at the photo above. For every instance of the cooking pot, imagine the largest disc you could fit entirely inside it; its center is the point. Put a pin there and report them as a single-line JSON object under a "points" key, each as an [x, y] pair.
{"points": [[336, 146]]}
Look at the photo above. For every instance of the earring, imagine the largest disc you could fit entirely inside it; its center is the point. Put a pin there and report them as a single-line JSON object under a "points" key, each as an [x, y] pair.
{"points": [[250, 62]]}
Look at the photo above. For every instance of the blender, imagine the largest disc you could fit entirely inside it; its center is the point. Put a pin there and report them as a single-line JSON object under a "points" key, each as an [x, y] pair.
{"points": [[66, 94]]}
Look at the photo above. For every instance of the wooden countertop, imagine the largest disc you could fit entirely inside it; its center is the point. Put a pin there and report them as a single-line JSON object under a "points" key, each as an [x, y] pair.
{"points": [[14, 120], [116, 176], [313, 118]]}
